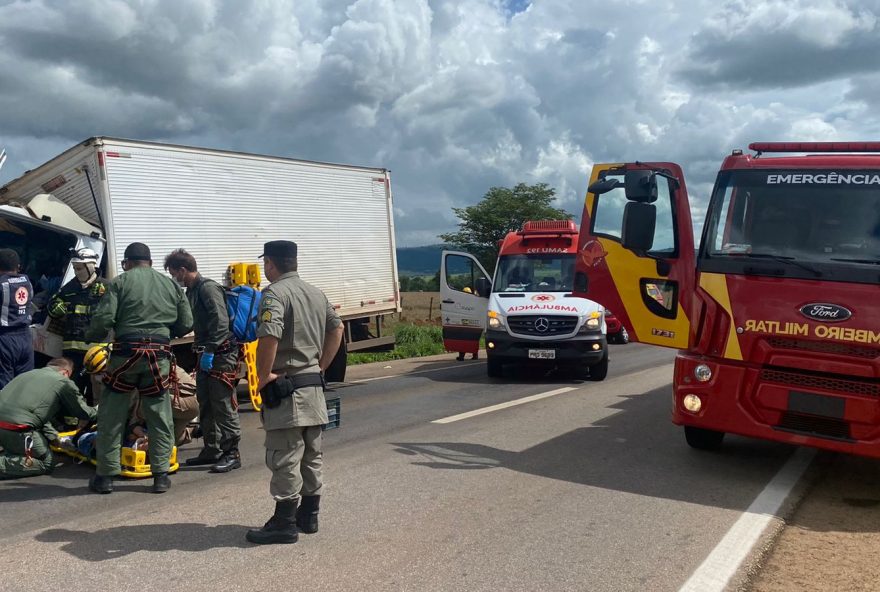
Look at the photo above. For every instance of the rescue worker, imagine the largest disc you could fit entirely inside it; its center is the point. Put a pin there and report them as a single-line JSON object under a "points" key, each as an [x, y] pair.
{"points": [[16, 294], [145, 309], [28, 404], [74, 303], [298, 336], [217, 375]]}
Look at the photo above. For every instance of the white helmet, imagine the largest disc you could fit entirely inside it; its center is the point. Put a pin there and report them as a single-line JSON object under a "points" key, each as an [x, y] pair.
{"points": [[84, 255]]}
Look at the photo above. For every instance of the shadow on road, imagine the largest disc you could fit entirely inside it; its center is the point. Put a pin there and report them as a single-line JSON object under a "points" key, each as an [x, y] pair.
{"points": [[119, 541], [636, 450]]}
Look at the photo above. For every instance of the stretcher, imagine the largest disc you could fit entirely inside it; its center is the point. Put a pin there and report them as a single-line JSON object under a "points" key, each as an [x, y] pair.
{"points": [[135, 464]]}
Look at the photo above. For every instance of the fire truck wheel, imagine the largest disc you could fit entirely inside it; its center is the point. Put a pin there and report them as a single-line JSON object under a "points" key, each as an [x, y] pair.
{"points": [[623, 338], [494, 367], [598, 372], [703, 439]]}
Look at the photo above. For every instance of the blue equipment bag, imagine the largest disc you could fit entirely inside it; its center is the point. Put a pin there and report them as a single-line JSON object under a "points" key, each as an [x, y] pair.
{"points": [[243, 305]]}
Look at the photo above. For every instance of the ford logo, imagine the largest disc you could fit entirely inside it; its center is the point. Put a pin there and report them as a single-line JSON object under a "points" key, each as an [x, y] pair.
{"points": [[825, 312]]}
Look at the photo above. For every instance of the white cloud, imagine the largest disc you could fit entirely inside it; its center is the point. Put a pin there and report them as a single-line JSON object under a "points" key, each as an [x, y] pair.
{"points": [[453, 96]]}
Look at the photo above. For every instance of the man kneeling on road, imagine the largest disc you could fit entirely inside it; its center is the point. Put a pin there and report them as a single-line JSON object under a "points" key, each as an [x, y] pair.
{"points": [[28, 404]]}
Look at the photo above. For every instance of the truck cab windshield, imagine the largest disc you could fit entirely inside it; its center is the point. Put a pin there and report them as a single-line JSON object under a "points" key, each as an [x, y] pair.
{"points": [[804, 223], [535, 273]]}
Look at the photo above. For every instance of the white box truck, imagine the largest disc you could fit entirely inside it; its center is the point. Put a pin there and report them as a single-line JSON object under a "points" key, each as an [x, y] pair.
{"points": [[219, 205]]}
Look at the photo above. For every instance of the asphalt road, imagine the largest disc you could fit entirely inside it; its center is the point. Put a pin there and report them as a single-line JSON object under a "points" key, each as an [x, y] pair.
{"points": [[589, 489]]}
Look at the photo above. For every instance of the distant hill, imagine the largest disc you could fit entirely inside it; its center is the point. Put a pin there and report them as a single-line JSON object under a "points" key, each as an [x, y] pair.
{"points": [[418, 260]]}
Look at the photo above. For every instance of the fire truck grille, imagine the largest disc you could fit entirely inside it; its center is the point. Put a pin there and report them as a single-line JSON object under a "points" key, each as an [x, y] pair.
{"points": [[541, 326], [824, 427], [808, 381], [827, 347]]}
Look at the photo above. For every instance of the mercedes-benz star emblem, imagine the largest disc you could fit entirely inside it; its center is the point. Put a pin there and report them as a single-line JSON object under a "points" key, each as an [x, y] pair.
{"points": [[542, 324]]}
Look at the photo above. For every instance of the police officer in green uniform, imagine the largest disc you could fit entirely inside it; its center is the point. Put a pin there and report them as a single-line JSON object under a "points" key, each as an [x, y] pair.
{"points": [[28, 404], [145, 309], [74, 304], [299, 334], [218, 365]]}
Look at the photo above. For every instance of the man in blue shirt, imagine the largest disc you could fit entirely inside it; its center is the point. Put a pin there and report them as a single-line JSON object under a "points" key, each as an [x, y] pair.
{"points": [[16, 294]]}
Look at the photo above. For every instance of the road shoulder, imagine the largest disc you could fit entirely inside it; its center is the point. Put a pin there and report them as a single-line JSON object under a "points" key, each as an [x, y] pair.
{"points": [[830, 541]]}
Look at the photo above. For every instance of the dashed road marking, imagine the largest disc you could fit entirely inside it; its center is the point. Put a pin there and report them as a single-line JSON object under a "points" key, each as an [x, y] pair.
{"points": [[500, 406]]}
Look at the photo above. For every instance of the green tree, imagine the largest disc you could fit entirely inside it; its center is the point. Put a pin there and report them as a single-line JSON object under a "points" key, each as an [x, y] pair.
{"points": [[501, 210]]}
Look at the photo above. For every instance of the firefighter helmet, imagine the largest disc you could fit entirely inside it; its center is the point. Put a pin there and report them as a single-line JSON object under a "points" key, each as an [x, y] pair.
{"points": [[84, 255], [95, 360]]}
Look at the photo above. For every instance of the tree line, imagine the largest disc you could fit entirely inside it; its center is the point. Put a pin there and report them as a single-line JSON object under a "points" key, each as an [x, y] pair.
{"points": [[482, 226]]}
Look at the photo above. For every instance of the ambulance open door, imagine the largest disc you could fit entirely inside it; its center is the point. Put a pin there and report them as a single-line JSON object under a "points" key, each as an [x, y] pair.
{"points": [[464, 301]]}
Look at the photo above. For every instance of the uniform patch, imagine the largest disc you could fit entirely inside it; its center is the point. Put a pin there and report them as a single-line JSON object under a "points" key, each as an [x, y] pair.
{"points": [[21, 296], [266, 316]]}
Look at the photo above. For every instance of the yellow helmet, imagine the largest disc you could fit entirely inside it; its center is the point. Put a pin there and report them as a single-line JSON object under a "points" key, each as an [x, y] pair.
{"points": [[95, 360]]}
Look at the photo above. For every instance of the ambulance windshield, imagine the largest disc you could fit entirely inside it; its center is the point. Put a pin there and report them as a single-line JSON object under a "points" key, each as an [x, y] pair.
{"points": [[804, 223], [535, 273]]}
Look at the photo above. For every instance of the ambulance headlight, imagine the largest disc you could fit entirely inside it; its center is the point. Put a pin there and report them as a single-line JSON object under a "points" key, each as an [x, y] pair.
{"points": [[703, 373], [495, 320], [593, 322]]}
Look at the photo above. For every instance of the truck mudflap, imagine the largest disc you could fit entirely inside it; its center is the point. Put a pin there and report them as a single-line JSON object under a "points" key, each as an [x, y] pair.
{"points": [[135, 463]]}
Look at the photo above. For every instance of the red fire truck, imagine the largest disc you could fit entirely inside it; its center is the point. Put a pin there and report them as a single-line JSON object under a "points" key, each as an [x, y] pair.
{"points": [[777, 316]]}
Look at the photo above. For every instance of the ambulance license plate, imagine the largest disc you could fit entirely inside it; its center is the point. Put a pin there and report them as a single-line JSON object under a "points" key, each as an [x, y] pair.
{"points": [[542, 354]]}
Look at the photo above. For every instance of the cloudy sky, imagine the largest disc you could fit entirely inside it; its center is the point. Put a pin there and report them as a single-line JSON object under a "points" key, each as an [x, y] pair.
{"points": [[453, 96]]}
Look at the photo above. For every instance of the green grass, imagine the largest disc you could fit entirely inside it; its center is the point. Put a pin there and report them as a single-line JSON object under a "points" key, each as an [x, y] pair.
{"points": [[412, 341]]}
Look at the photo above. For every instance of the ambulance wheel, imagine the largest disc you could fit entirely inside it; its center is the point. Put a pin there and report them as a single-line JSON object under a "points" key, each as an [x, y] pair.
{"points": [[598, 372], [703, 439], [494, 367]]}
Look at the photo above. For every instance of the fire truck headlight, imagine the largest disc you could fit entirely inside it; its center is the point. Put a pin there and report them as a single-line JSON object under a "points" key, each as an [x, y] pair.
{"points": [[692, 403], [703, 373]]}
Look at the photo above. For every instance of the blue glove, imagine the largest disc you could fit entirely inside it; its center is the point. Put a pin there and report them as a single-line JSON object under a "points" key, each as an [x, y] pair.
{"points": [[206, 362]]}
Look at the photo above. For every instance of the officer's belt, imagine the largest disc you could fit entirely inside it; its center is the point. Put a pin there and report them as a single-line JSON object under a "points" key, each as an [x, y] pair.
{"points": [[15, 427], [141, 339], [284, 386]]}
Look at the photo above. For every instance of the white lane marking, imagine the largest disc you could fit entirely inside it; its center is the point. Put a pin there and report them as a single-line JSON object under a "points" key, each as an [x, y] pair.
{"points": [[500, 406], [362, 380], [720, 566]]}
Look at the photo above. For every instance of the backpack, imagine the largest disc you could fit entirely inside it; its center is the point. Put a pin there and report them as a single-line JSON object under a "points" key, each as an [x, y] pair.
{"points": [[243, 305]]}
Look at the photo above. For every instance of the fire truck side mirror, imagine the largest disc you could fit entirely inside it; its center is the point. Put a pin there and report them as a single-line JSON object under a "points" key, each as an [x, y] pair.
{"points": [[603, 186], [639, 221], [641, 186], [580, 282]]}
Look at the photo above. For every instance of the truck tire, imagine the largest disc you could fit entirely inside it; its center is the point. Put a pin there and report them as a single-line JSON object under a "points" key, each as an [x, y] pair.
{"points": [[703, 439], [623, 338], [336, 371], [494, 367], [597, 372]]}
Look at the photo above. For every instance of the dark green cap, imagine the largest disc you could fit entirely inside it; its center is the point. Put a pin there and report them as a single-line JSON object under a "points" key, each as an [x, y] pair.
{"points": [[280, 249]]}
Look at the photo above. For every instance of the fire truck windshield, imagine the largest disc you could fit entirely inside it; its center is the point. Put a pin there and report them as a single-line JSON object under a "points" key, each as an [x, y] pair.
{"points": [[807, 223], [535, 273]]}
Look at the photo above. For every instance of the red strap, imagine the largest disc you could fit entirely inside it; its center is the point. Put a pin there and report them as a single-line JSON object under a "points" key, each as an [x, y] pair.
{"points": [[15, 427]]}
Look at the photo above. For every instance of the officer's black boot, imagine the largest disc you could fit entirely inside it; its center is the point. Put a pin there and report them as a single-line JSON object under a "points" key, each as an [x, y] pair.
{"points": [[205, 457], [280, 529], [307, 514], [229, 461], [161, 483], [100, 484]]}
